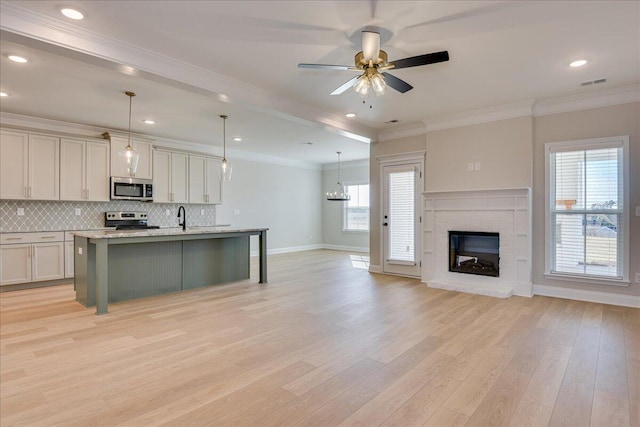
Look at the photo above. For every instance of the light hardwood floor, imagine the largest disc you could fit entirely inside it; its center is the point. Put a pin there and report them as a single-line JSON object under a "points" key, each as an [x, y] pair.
{"points": [[323, 344]]}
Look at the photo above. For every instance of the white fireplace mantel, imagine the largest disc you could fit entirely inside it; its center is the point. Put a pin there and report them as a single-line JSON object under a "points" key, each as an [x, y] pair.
{"points": [[506, 211]]}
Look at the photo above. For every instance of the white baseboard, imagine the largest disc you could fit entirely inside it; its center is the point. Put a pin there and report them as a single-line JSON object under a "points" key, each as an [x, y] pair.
{"points": [[345, 248], [590, 296], [375, 268]]}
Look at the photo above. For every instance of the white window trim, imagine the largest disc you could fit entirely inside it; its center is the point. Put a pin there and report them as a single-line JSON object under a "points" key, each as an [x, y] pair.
{"points": [[344, 209], [586, 144]]}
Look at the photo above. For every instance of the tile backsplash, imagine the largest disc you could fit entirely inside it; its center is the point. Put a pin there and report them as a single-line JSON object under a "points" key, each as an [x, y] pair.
{"points": [[53, 215]]}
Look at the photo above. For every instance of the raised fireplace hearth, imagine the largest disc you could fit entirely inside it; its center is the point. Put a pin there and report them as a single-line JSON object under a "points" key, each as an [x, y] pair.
{"points": [[474, 252]]}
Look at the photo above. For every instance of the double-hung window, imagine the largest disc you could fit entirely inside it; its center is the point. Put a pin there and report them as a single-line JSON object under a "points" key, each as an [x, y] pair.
{"points": [[356, 210], [587, 210]]}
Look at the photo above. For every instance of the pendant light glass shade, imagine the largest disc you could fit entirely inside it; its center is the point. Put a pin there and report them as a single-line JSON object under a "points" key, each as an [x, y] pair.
{"points": [[337, 194], [129, 156], [224, 168]]}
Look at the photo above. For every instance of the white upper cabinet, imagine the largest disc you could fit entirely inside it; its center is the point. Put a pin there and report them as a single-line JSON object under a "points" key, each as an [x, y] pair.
{"points": [[145, 163], [204, 183], [29, 166], [84, 170], [171, 181]]}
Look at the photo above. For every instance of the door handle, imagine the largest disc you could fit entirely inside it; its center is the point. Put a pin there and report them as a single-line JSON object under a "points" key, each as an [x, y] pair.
{"points": [[385, 224]]}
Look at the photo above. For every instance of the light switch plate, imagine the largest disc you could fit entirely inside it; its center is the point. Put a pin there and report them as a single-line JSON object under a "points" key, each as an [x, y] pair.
{"points": [[637, 210], [637, 277], [477, 166], [80, 251], [20, 212], [201, 211], [167, 212], [470, 166], [78, 211], [236, 211]]}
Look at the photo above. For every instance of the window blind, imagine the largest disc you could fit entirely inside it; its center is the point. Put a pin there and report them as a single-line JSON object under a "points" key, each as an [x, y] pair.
{"points": [[402, 216], [586, 209]]}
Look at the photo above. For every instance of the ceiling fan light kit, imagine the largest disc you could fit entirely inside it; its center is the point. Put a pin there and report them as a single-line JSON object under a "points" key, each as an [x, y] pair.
{"points": [[373, 62]]}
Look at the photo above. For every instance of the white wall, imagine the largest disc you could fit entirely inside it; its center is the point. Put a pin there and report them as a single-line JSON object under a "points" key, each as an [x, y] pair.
{"points": [[286, 199], [332, 212]]}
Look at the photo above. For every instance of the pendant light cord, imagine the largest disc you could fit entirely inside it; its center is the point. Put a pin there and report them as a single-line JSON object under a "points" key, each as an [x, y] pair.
{"points": [[224, 136], [130, 95]]}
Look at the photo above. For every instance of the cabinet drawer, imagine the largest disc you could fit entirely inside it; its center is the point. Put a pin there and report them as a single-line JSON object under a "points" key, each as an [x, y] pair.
{"points": [[40, 237]]}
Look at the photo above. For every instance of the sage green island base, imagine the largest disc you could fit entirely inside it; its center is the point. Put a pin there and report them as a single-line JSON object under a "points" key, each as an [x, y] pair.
{"points": [[112, 266]]}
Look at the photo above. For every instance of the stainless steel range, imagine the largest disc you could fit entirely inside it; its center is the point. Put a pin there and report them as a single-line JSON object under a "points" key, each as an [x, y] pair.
{"points": [[127, 220]]}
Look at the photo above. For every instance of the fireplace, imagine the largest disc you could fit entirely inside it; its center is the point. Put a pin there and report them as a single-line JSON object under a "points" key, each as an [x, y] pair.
{"points": [[505, 213], [474, 252]]}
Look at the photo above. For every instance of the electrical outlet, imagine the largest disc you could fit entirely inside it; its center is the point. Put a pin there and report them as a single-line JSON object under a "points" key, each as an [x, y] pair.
{"points": [[637, 210], [79, 251], [236, 211], [167, 212], [78, 211], [201, 211], [470, 166], [20, 212], [477, 166]]}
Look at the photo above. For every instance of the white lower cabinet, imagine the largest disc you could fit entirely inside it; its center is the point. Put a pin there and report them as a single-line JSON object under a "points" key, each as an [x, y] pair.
{"points": [[68, 260], [31, 257]]}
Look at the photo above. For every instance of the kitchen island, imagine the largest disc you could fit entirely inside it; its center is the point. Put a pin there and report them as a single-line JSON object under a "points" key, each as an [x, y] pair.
{"points": [[113, 266]]}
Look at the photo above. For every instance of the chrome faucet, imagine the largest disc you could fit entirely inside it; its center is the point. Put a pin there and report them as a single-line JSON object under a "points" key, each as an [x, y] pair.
{"points": [[184, 218]]}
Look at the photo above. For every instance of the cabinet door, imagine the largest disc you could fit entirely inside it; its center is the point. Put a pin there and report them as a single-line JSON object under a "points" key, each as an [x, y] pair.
{"points": [[72, 169], [97, 171], [214, 186], [44, 167], [162, 179], [14, 160], [47, 262], [68, 259], [15, 264], [180, 177], [145, 164], [197, 177]]}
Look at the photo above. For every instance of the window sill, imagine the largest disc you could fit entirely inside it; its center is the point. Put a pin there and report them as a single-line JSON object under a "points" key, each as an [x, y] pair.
{"points": [[588, 279], [356, 231]]}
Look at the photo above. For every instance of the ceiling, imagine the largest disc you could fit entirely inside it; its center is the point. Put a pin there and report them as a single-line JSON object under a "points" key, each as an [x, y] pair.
{"points": [[190, 61]]}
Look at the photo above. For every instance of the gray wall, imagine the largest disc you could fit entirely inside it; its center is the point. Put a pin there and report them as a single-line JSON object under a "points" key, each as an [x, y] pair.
{"points": [[594, 123], [285, 199], [511, 153], [332, 212]]}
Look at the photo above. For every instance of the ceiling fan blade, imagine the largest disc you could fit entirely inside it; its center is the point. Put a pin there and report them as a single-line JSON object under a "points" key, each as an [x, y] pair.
{"points": [[370, 45], [328, 67], [415, 61], [345, 86], [396, 83]]}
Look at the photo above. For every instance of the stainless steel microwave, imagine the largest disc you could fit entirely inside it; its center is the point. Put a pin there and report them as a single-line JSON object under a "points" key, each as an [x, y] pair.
{"points": [[131, 189]]}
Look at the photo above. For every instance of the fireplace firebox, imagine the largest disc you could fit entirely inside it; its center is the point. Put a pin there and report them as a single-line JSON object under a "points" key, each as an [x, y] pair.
{"points": [[474, 252]]}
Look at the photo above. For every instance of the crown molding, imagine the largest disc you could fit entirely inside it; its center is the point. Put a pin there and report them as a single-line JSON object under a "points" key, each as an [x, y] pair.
{"points": [[346, 165], [76, 130], [134, 60], [413, 129], [585, 101], [482, 115]]}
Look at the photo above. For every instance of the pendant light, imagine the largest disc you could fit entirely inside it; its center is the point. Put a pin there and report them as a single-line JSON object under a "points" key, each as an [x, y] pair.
{"points": [[224, 168], [337, 194], [129, 156]]}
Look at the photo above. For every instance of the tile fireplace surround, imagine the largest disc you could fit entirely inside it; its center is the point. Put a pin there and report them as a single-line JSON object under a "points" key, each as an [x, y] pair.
{"points": [[504, 211]]}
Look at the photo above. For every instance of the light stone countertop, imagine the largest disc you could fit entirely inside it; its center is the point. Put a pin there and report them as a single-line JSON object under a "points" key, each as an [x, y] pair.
{"points": [[163, 232]]}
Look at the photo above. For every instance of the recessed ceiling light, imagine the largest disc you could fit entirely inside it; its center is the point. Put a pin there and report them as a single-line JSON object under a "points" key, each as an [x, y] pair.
{"points": [[3, 94], [237, 139], [16, 58], [350, 115], [149, 121], [578, 63], [72, 13]]}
